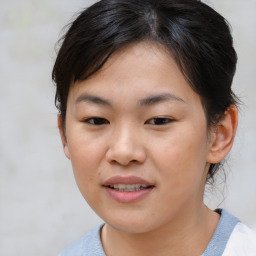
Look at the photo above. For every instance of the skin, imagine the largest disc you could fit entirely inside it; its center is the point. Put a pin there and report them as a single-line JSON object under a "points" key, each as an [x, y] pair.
{"points": [[164, 141]]}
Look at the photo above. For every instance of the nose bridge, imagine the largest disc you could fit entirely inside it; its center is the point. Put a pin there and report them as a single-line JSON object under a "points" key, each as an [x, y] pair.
{"points": [[125, 134], [126, 144]]}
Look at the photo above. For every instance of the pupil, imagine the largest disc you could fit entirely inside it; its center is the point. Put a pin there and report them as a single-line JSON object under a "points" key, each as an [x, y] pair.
{"points": [[99, 121], [160, 121]]}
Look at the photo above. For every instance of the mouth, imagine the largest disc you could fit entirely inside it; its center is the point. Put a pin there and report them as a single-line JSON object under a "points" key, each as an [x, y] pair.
{"points": [[129, 187]]}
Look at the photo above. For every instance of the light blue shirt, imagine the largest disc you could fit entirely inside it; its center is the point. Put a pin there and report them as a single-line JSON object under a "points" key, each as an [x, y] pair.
{"points": [[90, 244]]}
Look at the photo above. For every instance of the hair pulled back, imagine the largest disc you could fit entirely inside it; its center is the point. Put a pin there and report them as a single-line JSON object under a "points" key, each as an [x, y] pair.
{"points": [[198, 38]]}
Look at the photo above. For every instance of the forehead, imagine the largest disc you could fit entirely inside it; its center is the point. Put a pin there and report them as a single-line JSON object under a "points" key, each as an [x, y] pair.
{"points": [[138, 69]]}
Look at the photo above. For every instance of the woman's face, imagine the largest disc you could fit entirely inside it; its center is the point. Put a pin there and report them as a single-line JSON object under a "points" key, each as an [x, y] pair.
{"points": [[136, 135]]}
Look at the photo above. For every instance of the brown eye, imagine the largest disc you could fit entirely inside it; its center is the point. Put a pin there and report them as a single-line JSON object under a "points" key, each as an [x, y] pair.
{"points": [[96, 121], [159, 121]]}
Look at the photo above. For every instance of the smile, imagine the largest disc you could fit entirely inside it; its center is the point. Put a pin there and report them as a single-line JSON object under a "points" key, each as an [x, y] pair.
{"points": [[128, 187]]}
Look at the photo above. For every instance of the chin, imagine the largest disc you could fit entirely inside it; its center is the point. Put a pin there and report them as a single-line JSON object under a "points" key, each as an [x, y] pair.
{"points": [[130, 228], [131, 224]]}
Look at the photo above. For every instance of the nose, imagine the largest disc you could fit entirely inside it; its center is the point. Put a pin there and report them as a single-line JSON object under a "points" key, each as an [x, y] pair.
{"points": [[126, 146]]}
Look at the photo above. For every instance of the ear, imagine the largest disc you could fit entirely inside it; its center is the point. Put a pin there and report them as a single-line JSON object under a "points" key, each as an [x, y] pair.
{"points": [[63, 137], [222, 137]]}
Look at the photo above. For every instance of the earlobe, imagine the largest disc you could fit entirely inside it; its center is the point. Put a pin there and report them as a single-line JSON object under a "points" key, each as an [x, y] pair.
{"points": [[63, 137], [222, 137]]}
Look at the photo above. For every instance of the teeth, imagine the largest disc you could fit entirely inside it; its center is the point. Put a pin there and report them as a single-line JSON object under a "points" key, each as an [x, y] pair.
{"points": [[128, 187]]}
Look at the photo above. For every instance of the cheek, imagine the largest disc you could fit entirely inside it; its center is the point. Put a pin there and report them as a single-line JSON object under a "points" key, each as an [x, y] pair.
{"points": [[85, 150], [181, 167], [85, 156], [182, 155], [86, 174]]}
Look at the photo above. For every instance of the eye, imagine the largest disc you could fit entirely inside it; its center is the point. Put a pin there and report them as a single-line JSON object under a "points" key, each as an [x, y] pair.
{"points": [[96, 121], [159, 121]]}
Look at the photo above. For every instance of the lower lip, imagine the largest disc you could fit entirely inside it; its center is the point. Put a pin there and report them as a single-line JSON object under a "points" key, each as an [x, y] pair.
{"points": [[128, 196]]}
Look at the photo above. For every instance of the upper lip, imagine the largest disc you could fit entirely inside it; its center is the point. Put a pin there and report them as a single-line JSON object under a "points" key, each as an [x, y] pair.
{"points": [[126, 180]]}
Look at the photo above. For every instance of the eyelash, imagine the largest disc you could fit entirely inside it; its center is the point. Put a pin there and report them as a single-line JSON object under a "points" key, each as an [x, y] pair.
{"points": [[162, 120], [158, 121], [98, 121]]}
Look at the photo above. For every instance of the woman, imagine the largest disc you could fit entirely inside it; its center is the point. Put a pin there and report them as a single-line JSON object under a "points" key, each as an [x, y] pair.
{"points": [[147, 114]]}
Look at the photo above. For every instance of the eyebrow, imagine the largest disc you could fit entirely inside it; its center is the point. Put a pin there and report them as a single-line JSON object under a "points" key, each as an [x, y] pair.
{"points": [[154, 99], [148, 101], [92, 99]]}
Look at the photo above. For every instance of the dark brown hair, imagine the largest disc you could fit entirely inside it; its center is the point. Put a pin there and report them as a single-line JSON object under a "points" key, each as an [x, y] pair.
{"points": [[198, 38]]}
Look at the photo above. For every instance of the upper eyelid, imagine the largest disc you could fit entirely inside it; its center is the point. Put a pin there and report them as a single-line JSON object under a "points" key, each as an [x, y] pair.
{"points": [[86, 120], [161, 117], [106, 121]]}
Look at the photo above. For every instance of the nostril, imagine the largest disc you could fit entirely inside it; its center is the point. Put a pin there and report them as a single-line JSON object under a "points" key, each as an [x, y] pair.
{"points": [[122, 162], [125, 154]]}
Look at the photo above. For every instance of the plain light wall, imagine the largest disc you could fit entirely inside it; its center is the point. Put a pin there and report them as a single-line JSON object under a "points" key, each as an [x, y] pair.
{"points": [[41, 208]]}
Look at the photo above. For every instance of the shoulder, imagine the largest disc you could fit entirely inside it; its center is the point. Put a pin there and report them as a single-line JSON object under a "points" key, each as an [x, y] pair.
{"points": [[88, 245], [241, 242], [231, 238]]}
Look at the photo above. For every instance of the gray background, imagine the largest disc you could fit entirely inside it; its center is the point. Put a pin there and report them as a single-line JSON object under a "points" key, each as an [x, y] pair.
{"points": [[41, 210]]}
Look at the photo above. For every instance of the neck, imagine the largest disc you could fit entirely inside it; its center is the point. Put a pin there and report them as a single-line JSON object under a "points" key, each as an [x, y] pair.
{"points": [[191, 233]]}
